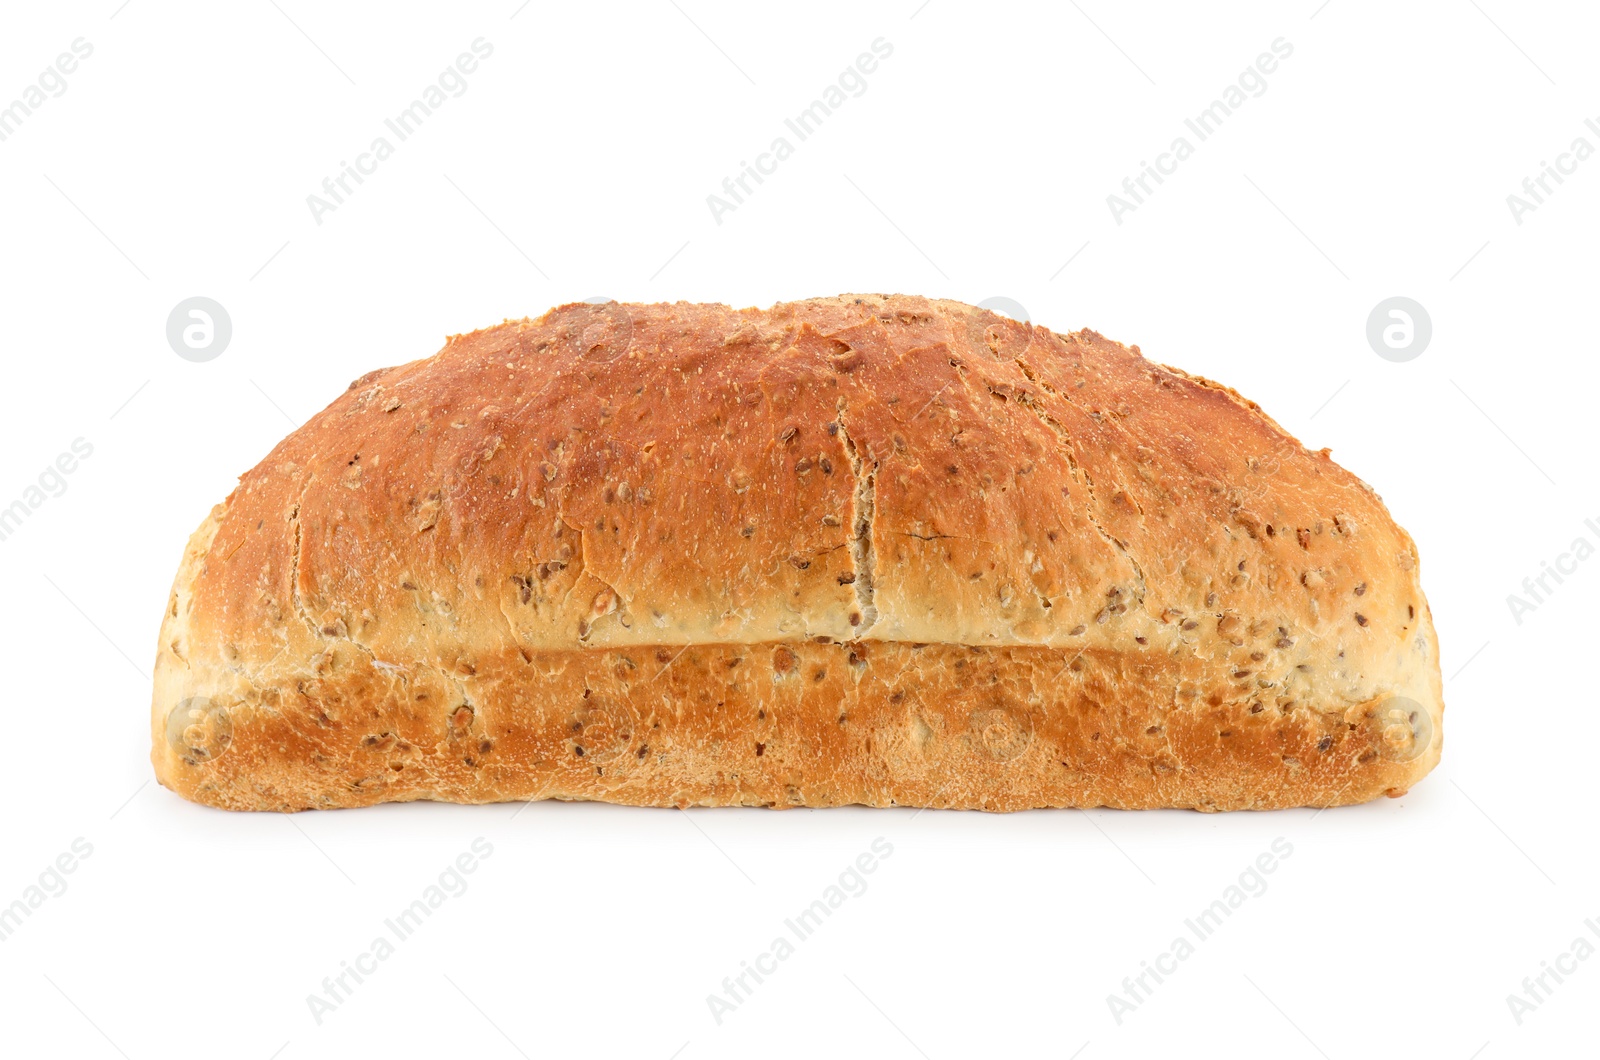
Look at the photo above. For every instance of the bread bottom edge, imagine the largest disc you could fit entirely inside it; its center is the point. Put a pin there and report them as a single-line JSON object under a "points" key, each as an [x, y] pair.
{"points": [[785, 725]]}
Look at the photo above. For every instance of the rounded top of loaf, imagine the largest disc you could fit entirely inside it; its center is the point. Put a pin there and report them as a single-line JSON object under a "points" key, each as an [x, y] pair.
{"points": [[858, 468]]}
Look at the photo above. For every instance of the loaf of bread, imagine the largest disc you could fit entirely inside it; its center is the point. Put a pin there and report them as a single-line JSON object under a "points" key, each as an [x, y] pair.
{"points": [[871, 549]]}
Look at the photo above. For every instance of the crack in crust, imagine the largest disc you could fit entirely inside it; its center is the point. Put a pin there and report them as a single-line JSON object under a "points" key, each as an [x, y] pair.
{"points": [[318, 634], [863, 512], [1069, 450], [294, 561]]}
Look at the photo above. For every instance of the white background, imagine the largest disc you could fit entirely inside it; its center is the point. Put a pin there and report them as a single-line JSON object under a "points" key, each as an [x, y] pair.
{"points": [[978, 161]]}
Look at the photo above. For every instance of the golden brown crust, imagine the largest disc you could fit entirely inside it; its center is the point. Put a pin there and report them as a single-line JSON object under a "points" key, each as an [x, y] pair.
{"points": [[866, 549]]}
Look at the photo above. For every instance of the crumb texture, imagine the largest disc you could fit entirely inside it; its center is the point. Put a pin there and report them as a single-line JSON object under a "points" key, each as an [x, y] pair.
{"points": [[870, 549]]}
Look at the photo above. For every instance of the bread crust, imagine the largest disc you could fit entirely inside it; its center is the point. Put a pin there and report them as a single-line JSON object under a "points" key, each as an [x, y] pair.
{"points": [[869, 549]]}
